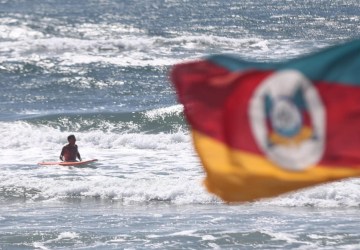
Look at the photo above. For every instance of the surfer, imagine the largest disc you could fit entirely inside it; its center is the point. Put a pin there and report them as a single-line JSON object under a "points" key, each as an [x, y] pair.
{"points": [[70, 151]]}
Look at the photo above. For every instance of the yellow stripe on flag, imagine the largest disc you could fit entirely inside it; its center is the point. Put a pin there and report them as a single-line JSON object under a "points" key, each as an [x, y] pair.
{"points": [[239, 176]]}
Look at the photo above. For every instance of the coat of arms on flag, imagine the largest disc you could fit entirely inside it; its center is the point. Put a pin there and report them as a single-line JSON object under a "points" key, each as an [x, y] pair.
{"points": [[263, 129], [288, 120]]}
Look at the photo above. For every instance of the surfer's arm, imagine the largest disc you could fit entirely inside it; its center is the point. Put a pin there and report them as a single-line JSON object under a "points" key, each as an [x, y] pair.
{"points": [[77, 153], [62, 155], [78, 156]]}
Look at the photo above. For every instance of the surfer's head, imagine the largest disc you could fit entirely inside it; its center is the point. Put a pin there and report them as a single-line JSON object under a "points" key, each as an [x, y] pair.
{"points": [[71, 139]]}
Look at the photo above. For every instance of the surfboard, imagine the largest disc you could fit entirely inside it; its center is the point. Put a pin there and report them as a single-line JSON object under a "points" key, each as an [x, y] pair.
{"points": [[66, 163]]}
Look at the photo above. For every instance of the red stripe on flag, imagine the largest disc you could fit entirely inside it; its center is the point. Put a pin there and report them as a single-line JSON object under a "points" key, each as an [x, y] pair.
{"points": [[342, 104], [202, 101], [208, 94], [236, 121]]}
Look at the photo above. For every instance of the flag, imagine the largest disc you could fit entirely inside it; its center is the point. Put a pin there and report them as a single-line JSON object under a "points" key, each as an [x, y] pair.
{"points": [[263, 129]]}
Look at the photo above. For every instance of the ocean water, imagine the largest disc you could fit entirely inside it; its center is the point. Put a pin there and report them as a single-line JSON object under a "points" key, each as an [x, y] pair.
{"points": [[99, 69]]}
